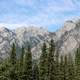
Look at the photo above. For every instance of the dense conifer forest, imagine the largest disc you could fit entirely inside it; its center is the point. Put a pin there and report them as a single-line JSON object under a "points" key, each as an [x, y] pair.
{"points": [[51, 65]]}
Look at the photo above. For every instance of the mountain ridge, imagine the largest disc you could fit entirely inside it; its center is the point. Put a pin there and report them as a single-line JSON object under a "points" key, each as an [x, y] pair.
{"points": [[67, 39]]}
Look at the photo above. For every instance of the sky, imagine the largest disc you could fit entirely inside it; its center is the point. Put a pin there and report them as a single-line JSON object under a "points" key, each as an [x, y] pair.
{"points": [[49, 14]]}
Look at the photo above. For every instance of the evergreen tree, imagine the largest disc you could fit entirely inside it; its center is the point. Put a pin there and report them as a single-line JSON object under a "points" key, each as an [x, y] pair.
{"points": [[4, 69], [13, 55], [22, 58], [13, 60], [57, 66], [35, 72], [66, 69], [28, 65], [21, 61], [61, 73], [51, 61], [77, 64], [43, 63], [71, 68]]}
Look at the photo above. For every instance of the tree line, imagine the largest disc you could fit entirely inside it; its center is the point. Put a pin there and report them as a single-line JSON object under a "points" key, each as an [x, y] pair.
{"points": [[51, 65]]}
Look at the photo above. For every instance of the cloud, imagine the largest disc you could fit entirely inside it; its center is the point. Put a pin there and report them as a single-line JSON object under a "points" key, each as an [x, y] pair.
{"points": [[50, 13]]}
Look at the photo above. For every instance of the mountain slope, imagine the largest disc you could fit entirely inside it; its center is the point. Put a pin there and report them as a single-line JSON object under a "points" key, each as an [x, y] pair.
{"points": [[66, 39], [70, 37], [7, 37], [31, 36]]}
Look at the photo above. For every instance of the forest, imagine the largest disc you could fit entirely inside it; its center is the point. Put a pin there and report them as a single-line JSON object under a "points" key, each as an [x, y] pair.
{"points": [[50, 66]]}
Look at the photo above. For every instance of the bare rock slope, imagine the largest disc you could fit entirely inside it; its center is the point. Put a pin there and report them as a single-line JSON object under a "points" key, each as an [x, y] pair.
{"points": [[7, 37]]}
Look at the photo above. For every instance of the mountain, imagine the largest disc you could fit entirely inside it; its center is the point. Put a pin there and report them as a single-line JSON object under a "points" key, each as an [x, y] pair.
{"points": [[67, 39], [31, 36], [21, 37], [7, 37]]}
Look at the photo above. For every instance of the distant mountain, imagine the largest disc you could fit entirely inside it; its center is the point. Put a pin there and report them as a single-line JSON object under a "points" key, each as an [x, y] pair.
{"points": [[66, 39]]}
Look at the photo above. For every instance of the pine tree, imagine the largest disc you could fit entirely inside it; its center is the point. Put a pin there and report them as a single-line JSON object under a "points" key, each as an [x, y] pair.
{"points": [[77, 64], [57, 65], [51, 61], [28, 65], [13, 55], [43, 63], [21, 61], [71, 68], [13, 60], [61, 73], [66, 69], [22, 58], [35, 72]]}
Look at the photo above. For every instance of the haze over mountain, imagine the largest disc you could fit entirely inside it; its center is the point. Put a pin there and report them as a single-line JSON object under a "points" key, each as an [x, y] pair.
{"points": [[67, 38]]}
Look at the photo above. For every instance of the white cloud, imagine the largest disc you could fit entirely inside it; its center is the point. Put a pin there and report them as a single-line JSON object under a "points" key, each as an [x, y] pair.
{"points": [[51, 12]]}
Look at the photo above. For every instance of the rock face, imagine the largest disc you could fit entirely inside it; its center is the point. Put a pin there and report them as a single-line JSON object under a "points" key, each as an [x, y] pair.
{"points": [[22, 37], [7, 37], [31, 36], [67, 39]]}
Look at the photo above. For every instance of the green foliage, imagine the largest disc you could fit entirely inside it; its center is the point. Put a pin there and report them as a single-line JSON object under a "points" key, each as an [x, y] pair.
{"points": [[35, 72], [61, 73], [13, 59], [13, 55], [20, 64], [52, 66], [4, 69], [51, 61], [57, 66], [71, 68], [77, 64], [21, 61], [43, 63], [28, 64], [66, 73], [67, 69]]}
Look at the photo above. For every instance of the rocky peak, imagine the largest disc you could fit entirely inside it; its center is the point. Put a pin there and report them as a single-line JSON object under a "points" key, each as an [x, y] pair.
{"points": [[68, 26], [4, 29], [69, 37]]}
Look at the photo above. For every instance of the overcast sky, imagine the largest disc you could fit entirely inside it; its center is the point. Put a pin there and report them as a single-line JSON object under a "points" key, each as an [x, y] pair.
{"points": [[41, 13]]}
